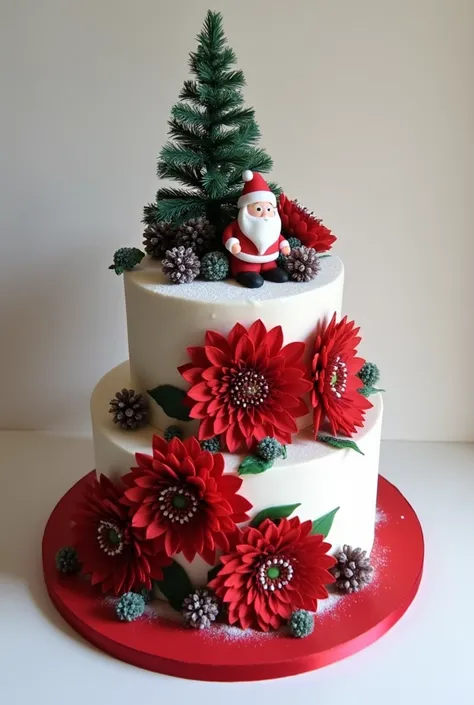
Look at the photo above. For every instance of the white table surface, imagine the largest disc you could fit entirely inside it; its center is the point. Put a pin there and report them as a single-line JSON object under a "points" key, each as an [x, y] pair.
{"points": [[427, 657]]}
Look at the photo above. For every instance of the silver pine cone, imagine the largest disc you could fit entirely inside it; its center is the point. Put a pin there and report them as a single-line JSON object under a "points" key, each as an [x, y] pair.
{"points": [[352, 570], [196, 233], [129, 409], [181, 265], [200, 609], [158, 238], [302, 264]]}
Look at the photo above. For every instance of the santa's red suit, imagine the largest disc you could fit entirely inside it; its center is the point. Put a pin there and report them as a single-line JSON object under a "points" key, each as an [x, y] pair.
{"points": [[258, 252], [249, 259]]}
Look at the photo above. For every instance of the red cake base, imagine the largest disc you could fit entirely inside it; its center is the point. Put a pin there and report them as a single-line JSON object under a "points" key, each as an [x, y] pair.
{"points": [[345, 624]]}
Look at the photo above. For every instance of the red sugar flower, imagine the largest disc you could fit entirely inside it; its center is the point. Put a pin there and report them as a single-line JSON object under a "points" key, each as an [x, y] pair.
{"points": [[297, 222], [246, 386], [334, 368], [110, 549], [181, 499], [272, 571]]}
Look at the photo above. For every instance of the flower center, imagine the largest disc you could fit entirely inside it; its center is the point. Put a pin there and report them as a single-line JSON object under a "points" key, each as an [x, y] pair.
{"points": [[248, 388], [275, 573], [177, 504], [338, 377], [111, 538]]}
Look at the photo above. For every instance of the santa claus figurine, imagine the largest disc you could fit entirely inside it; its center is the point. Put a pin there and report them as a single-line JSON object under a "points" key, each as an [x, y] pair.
{"points": [[254, 240]]}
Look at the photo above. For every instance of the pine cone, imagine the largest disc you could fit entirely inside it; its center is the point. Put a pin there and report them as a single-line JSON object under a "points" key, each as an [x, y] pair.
{"points": [[129, 409], [181, 265], [158, 238], [352, 570], [200, 609], [197, 233], [302, 264]]}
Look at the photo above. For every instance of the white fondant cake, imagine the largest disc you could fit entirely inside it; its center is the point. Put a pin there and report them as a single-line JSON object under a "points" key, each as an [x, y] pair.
{"points": [[164, 320], [314, 474]]}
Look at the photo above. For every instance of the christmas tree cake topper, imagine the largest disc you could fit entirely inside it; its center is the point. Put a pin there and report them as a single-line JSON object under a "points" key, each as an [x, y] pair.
{"points": [[254, 239], [213, 137]]}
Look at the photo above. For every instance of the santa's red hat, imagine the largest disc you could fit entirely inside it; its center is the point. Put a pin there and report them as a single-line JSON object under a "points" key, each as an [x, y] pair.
{"points": [[255, 189]]}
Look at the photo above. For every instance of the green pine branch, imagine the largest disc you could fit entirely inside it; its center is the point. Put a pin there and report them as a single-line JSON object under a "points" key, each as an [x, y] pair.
{"points": [[193, 117], [187, 175], [213, 137], [178, 155]]}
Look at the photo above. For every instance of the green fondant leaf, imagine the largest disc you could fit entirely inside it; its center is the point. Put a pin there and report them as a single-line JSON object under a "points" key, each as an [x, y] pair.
{"points": [[339, 442], [252, 465], [213, 572], [323, 256], [171, 399], [284, 454], [175, 585], [280, 512], [367, 391], [324, 523]]}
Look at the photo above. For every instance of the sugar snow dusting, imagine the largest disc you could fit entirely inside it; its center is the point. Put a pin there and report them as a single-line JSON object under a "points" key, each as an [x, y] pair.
{"points": [[227, 633]]}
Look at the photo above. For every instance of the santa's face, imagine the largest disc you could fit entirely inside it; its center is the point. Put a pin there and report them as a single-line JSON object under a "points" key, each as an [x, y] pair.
{"points": [[261, 209], [261, 223]]}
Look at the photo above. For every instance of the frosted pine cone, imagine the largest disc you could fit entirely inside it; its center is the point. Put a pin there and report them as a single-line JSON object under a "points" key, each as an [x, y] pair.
{"points": [[129, 409], [200, 609], [302, 264], [181, 265], [197, 234], [158, 238], [352, 570]]}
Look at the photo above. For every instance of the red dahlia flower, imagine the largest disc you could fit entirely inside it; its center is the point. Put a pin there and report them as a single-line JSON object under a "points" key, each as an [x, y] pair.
{"points": [[246, 386], [297, 222], [334, 368], [272, 571], [110, 549], [181, 498]]}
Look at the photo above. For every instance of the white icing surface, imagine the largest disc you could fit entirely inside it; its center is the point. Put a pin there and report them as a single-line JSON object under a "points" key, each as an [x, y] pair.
{"points": [[314, 474], [149, 276], [163, 319]]}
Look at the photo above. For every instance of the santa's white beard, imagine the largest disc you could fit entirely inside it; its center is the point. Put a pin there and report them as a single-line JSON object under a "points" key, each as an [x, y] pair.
{"points": [[263, 232]]}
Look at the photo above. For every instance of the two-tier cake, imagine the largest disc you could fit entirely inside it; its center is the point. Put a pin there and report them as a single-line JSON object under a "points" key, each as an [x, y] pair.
{"points": [[237, 449]]}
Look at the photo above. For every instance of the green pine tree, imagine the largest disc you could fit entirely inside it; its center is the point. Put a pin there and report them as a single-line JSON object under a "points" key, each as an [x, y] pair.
{"points": [[213, 138]]}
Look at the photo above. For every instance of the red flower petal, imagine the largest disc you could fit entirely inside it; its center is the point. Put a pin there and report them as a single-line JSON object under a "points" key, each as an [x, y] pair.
{"points": [[214, 396], [239, 585], [187, 472], [334, 369], [103, 507], [293, 352]]}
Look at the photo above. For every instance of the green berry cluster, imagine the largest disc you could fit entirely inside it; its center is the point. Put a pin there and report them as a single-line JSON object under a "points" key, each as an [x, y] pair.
{"points": [[213, 445], [301, 624], [130, 606], [67, 560]]}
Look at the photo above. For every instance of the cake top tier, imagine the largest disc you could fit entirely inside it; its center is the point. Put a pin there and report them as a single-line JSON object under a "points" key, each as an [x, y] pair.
{"points": [[149, 276]]}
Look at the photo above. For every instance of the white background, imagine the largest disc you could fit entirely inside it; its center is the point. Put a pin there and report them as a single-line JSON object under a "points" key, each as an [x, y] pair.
{"points": [[367, 109]]}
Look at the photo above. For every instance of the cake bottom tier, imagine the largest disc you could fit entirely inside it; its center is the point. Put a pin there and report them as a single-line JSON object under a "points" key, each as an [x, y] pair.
{"points": [[318, 477]]}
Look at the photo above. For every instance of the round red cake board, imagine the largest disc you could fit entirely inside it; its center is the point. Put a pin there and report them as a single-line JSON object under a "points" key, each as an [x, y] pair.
{"points": [[343, 625]]}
